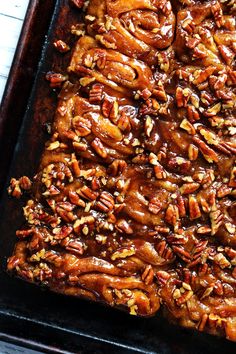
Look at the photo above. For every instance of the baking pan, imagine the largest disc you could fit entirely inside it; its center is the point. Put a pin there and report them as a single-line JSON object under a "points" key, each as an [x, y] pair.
{"points": [[21, 78], [35, 318]]}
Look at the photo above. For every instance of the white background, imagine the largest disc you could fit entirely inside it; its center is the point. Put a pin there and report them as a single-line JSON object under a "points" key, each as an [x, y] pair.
{"points": [[12, 13]]}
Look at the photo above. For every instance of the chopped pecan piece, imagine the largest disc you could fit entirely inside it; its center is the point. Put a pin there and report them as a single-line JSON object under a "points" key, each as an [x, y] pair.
{"points": [[194, 209], [78, 3], [87, 193], [123, 226], [232, 181], [209, 154], [188, 188], [154, 205], [110, 108], [99, 148], [148, 275], [96, 94], [123, 123], [16, 186], [193, 114], [227, 54], [172, 214], [218, 14], [182, 96], [117, 167], [56, 79], [192, 152], [186, 125], [75, 199], [61, 46]]}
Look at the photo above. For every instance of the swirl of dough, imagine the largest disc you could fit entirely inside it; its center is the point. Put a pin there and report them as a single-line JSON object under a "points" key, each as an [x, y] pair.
{"points": [[143, 26], [111, 68]]}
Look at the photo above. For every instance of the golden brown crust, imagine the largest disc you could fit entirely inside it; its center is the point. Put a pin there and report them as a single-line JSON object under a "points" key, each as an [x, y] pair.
{"points": [[134, 200]]}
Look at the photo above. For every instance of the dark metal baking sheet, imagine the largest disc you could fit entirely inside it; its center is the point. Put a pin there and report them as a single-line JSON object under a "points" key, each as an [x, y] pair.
{"points": [[32, 317], [21, 78]]}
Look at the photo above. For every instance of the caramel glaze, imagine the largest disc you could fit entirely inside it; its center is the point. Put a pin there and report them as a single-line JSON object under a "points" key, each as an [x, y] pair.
{"points": [[133, 203]]}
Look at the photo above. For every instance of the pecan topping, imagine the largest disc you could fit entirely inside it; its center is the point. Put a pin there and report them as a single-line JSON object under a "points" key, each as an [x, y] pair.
{"points": [[154, 205], [16, 186], [56, 79], [110, 108], [123, 123], [209, 154], [182, 96], [194, 209], [148, 275], [61, 46], [96, 94], [99, 148], [78, 3], [188, 188], [106, 202], [133, 203], [193, 114], [123, 226], [87, 193], [123, 253], [117, 167], [81, 125], [172, 214]]}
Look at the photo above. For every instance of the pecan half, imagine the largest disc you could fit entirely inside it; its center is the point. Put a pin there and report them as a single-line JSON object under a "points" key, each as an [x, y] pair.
{"points": [[99, 148], [56, 79], [61, 46], [105, 202]]}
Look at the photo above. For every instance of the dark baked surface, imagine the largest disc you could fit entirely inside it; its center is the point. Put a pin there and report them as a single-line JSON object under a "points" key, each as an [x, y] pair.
{"points": [[134, 200]]}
